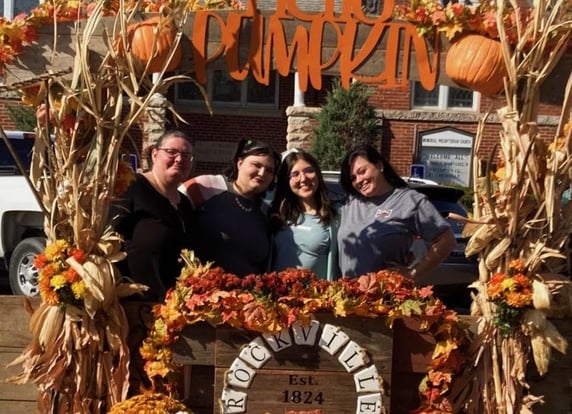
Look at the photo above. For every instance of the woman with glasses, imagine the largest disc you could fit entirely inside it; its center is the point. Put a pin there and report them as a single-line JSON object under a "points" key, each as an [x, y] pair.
{"points": [[229, 219], [153, 216], [382, 218], [304, 220]]}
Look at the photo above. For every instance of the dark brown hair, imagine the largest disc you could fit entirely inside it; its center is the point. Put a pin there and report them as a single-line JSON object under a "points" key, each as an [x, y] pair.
{"points": [[286, 207], [372, 155], [245, 148]]}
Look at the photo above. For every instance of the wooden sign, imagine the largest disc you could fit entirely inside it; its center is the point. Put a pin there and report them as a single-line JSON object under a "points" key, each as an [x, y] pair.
{"points": [[334, 365]]}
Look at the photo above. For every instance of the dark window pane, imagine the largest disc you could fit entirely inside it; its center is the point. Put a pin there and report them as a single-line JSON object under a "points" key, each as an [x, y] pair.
{"points": [[189, 91], [225, 89], [460, 98], [423, 97], [262, 94], [23, 148]]}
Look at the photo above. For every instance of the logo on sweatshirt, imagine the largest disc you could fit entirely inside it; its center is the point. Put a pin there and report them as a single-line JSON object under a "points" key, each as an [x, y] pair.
{"points": [[383, 213]]}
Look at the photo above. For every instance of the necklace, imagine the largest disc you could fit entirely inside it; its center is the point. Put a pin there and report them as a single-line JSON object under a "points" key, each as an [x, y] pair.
{"points": [[242, 206]]}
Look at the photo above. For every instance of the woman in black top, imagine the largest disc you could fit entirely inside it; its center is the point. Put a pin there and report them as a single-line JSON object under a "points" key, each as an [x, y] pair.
{"points": [[153, 216]]}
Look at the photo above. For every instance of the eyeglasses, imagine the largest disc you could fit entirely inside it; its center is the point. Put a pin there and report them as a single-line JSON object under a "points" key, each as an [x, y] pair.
{"points": [[173, 153], [306, 171]]}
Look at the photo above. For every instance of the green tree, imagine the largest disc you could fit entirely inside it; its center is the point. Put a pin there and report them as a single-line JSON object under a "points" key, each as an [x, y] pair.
{"points": [[346, 120], [23, 117]]}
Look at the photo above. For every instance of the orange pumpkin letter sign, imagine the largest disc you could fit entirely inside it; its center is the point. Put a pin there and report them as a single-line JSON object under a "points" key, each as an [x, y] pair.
{"points": [[325, 40]]}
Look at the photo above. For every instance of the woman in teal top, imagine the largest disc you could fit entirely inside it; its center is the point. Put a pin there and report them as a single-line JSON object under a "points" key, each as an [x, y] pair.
{"points": [[305, 222]]}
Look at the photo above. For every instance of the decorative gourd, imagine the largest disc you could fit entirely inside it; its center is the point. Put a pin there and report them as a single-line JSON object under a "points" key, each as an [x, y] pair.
{"points": [[153, 46], [476, 62]]}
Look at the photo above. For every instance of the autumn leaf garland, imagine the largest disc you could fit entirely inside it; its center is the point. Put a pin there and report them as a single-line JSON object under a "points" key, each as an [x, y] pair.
{"points": [[274, 301]]}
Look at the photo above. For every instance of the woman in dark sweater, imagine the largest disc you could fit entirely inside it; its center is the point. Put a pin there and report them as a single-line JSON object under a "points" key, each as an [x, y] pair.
{"points": [[153, 216]]}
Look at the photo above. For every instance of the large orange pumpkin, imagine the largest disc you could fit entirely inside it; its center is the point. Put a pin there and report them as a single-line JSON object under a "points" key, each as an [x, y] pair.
{"points": [[476, 62], [144, 39]]}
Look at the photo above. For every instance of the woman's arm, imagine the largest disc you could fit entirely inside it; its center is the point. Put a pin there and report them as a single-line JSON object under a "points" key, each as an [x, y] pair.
{"points": [[440, 248]]}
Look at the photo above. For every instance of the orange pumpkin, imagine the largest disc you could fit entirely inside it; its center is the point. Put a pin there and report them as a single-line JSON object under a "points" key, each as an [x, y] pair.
{"points": [[476, 62], [144, 40]]}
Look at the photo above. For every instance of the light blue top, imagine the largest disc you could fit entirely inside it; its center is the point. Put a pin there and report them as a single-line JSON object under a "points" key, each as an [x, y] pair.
{"points": [[308, 244]]}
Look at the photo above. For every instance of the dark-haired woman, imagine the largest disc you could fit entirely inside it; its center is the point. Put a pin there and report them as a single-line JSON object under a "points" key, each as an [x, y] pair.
{"points": [[304, 220], [382, 218], [229, 221], [153, 216]]}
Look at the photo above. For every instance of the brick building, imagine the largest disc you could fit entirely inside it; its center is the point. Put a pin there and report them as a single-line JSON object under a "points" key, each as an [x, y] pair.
{"points": [[435, 129]]}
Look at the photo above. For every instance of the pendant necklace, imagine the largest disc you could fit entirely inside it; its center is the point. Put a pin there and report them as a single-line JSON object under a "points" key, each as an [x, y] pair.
{"points": [[242, 206]]}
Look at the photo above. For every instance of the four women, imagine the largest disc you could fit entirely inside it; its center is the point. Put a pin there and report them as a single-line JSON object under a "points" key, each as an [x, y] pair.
{"points": [[231, 227]]}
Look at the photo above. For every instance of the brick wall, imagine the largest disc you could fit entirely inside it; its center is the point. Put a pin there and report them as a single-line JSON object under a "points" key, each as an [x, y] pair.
{"points": [[5, 120], [399, 127]]}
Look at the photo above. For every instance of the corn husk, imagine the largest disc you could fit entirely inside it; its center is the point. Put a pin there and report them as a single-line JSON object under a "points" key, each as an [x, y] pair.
{"points": [[481, 238], [541, 295], [496, 253], [78, 356], [520, 199]]}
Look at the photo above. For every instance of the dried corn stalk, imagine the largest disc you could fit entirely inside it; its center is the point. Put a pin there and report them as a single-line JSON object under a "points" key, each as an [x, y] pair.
{"points": [[79, 356], [521, 206]]}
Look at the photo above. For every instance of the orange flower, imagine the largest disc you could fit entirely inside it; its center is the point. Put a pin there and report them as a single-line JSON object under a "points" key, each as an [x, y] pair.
{"points": [[517, 265], [58, 283], [40, 261]]}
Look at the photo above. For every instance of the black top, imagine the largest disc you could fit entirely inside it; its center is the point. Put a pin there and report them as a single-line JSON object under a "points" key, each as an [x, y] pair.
{"points": [[232, 231], [155, 233]]}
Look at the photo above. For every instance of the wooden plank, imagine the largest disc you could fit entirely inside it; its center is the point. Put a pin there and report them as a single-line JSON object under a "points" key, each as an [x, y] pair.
{"points": [[14, 327], [140, 317], [556, 385], [18, 407], [370, 333], [278, 391], [304, 376], [9, 391], [197, 345], [198, 388], [412, 346]]}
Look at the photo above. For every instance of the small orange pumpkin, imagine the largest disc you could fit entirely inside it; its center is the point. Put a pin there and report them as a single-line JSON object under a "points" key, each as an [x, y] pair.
{"points": [[476, 62], [142, 38]]}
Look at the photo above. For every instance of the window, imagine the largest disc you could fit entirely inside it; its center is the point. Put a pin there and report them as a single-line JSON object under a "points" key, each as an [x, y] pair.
{"points": [[225, 91], [22, 143], [444, 98]]}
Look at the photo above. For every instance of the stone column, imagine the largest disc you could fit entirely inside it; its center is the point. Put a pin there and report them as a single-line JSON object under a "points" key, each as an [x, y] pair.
{"points": [[301, 124], [154, 124]]}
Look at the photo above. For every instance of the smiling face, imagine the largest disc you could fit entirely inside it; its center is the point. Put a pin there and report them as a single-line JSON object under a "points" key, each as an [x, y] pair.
{"points": [[173, 159], [255, 174], [367, 178], [303, 180]]}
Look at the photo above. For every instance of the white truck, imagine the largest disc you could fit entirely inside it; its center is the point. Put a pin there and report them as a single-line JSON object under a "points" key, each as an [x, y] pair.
{"points": [[21, 218]]}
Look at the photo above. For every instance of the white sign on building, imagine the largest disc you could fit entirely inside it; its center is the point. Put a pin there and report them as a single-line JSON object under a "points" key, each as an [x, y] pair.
{"points": [[447, 154]]}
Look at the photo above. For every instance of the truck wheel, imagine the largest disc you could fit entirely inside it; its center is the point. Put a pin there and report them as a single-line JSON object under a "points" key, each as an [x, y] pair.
{"points": [[22, 273]]}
